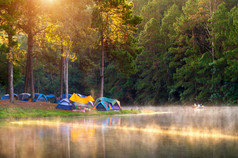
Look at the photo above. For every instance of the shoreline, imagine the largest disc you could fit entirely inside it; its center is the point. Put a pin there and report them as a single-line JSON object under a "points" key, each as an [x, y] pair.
{"points": [[32, 110], [15, 113]]}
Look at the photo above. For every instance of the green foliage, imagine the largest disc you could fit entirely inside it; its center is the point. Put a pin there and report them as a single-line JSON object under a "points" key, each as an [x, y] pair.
{"points": [[177, 62], [175, 51], [181, 44], [4, 68], [117, 26], [167, 30], [119, 85], [151, 10], [48, 82], [231, 3], [156, 8], [149, 37]]}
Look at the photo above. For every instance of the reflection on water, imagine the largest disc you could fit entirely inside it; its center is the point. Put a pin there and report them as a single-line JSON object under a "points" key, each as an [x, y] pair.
{"points": [[183, 132]]}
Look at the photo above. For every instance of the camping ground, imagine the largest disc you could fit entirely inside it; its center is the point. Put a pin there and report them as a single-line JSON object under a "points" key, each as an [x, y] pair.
{"points": [[23, 109]]}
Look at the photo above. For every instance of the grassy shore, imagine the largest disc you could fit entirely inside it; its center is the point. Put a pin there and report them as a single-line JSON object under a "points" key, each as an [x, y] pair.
{"points": [[17, 113]]}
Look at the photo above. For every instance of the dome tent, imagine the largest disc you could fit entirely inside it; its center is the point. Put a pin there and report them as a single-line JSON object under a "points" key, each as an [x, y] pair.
{"points": [[106, 104], [6, 96], [24, 96], [65, 104], [51, 98], [40, 98]]}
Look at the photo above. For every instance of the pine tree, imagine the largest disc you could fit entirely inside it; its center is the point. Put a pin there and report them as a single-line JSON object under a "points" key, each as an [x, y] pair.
{"points": [[117, 25]]}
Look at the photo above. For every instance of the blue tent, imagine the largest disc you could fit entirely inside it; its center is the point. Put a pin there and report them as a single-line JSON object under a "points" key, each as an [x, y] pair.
{"points": [[102, 106], [106, 104], [65, 104], [40, 98], [6, 96], [50, 96], [24, 96], [63, 97]]}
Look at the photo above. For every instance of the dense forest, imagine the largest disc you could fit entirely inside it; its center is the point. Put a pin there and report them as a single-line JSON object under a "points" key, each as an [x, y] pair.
{"points": [[153, 51]]}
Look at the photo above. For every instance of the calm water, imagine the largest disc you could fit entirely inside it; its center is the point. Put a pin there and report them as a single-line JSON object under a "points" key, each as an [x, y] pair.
{"points": [[181, 132]]}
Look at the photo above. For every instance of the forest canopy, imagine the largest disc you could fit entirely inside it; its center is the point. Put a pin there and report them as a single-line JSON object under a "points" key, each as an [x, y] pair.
{"points": [[155, 51]]}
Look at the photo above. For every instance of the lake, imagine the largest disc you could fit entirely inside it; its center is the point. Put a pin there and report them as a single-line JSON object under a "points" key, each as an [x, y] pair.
{"points": [[171, 132]]}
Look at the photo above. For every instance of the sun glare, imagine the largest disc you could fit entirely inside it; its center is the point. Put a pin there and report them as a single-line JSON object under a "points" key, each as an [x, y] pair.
{"points": [[50, 1]]}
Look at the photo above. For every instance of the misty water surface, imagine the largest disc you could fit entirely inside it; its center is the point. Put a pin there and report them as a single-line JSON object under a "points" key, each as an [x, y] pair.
{"points": [[181, 132]]}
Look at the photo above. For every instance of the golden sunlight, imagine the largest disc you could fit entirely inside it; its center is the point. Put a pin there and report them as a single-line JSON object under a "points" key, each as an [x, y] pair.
{"points": [[190, 132], [49, 1]]}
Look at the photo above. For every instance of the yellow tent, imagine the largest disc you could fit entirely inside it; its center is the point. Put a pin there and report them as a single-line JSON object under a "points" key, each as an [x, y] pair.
{"points": [[78, 99]]}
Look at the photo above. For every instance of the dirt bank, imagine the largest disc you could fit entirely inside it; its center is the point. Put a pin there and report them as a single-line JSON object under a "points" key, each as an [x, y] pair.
{"points": [[28, 105]]}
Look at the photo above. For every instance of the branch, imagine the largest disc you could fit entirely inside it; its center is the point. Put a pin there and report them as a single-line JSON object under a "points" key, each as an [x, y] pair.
{"points": [[38, 31]]}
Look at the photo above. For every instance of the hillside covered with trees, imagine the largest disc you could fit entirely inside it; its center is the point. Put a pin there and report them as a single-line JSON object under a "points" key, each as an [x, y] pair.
{"points": [[139, 51]]}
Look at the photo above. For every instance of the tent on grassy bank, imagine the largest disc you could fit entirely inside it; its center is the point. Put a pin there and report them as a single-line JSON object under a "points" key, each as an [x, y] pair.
{"points": [[6, 96], [40, 98], [65, 104], [107, 104], [51, 98], [82, 100], [24, 96]]}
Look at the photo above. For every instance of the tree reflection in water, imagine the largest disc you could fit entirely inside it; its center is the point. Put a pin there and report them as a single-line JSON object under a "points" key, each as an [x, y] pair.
{"points": [[177, 134]]}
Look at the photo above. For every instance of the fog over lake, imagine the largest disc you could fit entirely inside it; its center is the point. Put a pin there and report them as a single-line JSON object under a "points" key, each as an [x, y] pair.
{"points": [[170, 132]]}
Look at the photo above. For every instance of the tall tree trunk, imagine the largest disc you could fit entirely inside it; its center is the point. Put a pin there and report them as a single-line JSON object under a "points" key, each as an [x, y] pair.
{"points": [[29, 80], [27, 76], [30, 68], [102, 67], [10, 70], [66, 77], [29, 33], [193, 36], [212, 10], [102, 60], [62, 72]]}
